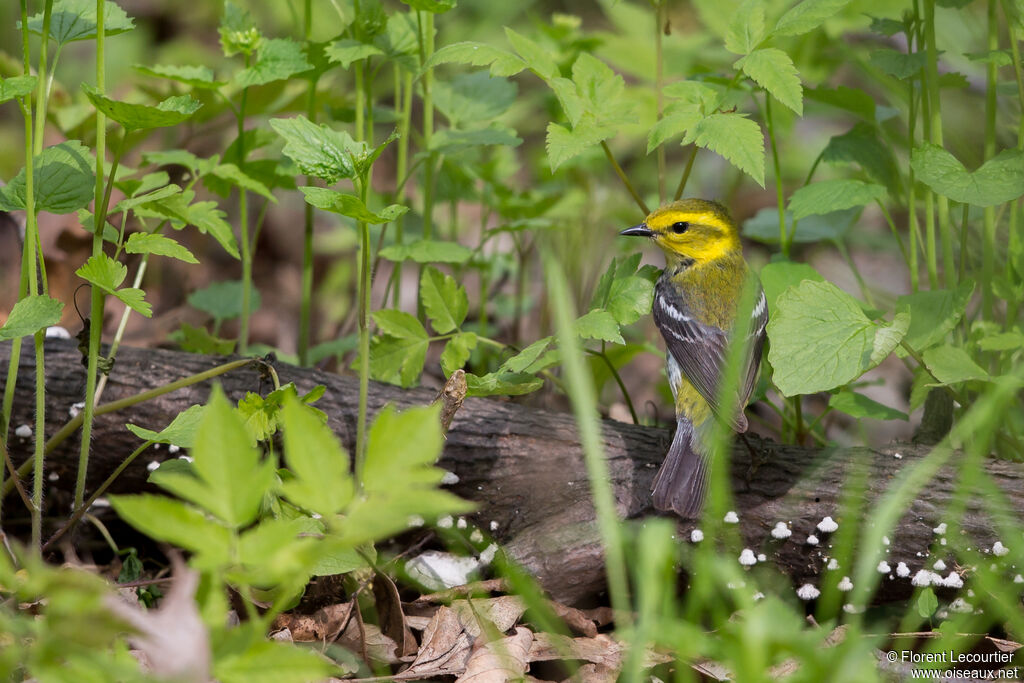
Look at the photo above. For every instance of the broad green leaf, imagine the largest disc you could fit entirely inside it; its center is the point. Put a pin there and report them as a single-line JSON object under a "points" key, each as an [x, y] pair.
{"points": [[861, 145], [602, 91], [240, 179], [266, 661], [444, 300], [146, 198], [279, 59], [848, 99], [952, 365], [501, 62], [934, 313], [166, 519], [432, 6], [322, 481], [399, 355], [474, 97], [276, 552], [195, 76], [154, 243], [773, 70], [318, 150], [18, 86], [31, 314], [598, 324], [927, 603], [346, 51], [564, 144], [807, 16], [999, 179], [899, 65], [1002, 341], [427, 251], [672, 125], [886, 27], [350, 205], [399, 324], [502, 384], [181, 431], [402, 451], [736, 138], [456, 352], [170, 112], [72, 20], [107, 274], [525, 358], [747, 29], [536, 57], [209, 218], [776, 278], [448, 141], [62, 180], [827, 196], [764, 226], [223, 299], [860, 406], [630, 299], [1000, 58], [821, 339], [199, 340]]}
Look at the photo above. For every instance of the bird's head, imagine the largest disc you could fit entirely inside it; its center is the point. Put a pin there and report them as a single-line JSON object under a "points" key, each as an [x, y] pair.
{"points": [[695, 230]]}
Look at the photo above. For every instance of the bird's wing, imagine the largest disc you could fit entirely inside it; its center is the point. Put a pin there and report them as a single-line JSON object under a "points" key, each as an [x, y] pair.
{"points": [[700, 349]]}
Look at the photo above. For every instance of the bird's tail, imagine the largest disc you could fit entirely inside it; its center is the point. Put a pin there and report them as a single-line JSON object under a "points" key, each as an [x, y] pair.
{"points": [[681, 483]]}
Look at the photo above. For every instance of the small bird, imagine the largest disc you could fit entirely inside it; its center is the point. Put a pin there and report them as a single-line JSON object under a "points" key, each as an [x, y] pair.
{"points": [[695, 303]]}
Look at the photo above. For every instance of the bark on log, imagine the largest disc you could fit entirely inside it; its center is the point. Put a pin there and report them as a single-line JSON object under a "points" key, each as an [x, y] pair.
{"points": [[524, 467]]}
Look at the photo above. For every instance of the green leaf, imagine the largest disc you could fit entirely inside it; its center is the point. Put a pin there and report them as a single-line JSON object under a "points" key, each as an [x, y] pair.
{"points": [[144, 199], [827, 196], [18, 86], [736, 138], [861, 145], [502, 384], [860, 406], [474, 97], [999, 179], [427, 251], [747, 29], [934, 313], [456, 352], [322, 481], [525, 358], [165, 519], [222, 299], [181, 431], [598, 324], [773, 70], [279, 59], [199, 340], [72, 20], [848, 99], [764, 226], [952, 365], [399, 324], [776, 278], [318, 150], [432, 6], [195, 76], [807, 16], [132, 117], [564, 144], [153, 243], [346, 51], [1002, 341], [62, 180], [897, 64], [927, 603], [821, 339], [501, 62], [208, 218], [350, 205], [107, 274], [399, 355], [267, 661], [630, 299], [31, 314], [235, 176], [444, 300], [672, 125], [449, 141], [537, 58]]}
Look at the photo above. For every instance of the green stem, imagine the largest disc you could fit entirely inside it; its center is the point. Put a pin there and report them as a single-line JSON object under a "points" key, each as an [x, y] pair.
{"points": [[243, 222], [44, 49], [306, 302], [963, 250], [404, 95], [364, 333], [686, 172], [780, 199], [935, 131], [988, 243], [622, 176], [618, 380], [659, 84], [895, 232]]}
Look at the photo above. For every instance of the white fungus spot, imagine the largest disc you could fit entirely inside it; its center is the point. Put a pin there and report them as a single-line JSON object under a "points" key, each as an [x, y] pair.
{"points": [[100, 503], [734, 585], [461, 523], [446, 522], [812, 540], [939, 566], [731, 517], [57, 332], [761, 557], [173, 448], [885, 540], [696, 536], [53, 476], [477, 536], [953, 581], [449, 478], [23, 432], [153, 464], [76, 408], [942, 541], [316, 515], [849, 608], [487, 556], [883, 567], [827, 525], [832, 564], [902, 570], [961, 605], [494, 525], [898, 456], [438, 570], [416, 521], [1018, 579], [940, 529], [845, 585], [998, 549], [807, 592], [758, 596], [747, 558], [781, 531], [922, 578]]}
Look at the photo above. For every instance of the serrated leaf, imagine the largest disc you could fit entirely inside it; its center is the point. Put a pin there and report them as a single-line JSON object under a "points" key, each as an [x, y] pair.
{"points": [[833, 195], [952, 365], [747, 28], [223, 299], [449, 141], [346, 51], [456, 352], [107, 274], [132, 117], [672, 125], [537, 58], [322, 481], [502, 384], [144, 199], [278, 60], [934, 313], [848, 99], [821, 339], [444, 300], [165, 519], [860, 406], [764, 226], [501, 62], [598, 324], [432, 6], [350, 205], [897, 64], [62, 180], [72, 20], [525, 358], [197, 76], [31, 314], [564, 144], [807, 16], [861, 145], [154, 243], [209, 218], [774, 71], [235, 176], [318, 150], [18, 86], [427, 251], [999, 180], [181, 431], [474, 97], [399, 355], [266, 660], [736, 138]]}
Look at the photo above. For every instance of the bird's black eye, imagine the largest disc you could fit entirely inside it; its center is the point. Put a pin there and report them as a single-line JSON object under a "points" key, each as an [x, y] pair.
{"points": [[680, 227]]}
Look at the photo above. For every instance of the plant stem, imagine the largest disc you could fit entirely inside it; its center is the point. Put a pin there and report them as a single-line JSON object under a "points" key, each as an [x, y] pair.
{"points": [[686, 172], [363, 313], [780, 199], [618, 380], [403, 90], [306, 302], [243, 223], [935, 116], [988, 243], [622, 176], [659, 84]]}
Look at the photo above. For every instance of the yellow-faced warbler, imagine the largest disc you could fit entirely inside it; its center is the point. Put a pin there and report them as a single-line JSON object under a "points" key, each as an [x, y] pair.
{"points": [[695, 302]]}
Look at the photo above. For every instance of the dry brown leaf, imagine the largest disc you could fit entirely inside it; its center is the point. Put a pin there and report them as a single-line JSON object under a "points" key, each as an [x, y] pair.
{"points": [[1004, 645], [594, 673], [575, 619], [377, 646], [601, 649], [172, 638], [500, 614], [392, 618], [711, 669], [417, 623], [324, 625], [445, 648], [498, 661]]}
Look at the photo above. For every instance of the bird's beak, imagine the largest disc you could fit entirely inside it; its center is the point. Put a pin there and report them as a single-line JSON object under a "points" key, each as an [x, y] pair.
{"points": [[638, 231]]}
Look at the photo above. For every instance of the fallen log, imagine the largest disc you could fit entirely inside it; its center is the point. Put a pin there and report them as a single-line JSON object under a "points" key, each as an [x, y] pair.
{"points": [[523, 466]]}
